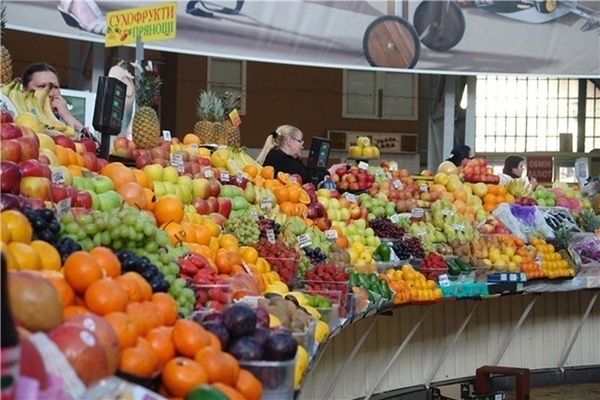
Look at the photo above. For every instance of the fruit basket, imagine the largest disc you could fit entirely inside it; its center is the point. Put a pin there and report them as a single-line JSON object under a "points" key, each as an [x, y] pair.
{"points": [[277, 377], [329, 289], [306, 339]]}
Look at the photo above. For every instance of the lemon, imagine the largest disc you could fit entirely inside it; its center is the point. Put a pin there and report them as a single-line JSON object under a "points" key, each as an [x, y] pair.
{"points": [[49, 256]]}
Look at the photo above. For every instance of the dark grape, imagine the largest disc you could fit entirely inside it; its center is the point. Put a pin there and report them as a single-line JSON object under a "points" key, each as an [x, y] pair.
{"points": [[385, 228]]}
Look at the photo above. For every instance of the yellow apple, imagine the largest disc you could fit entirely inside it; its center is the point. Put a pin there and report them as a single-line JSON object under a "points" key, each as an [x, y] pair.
{"points": [[30, 121], [355, 151], [219, 158], [363, 141], [441, 178], [46, 142], [370, 151]]}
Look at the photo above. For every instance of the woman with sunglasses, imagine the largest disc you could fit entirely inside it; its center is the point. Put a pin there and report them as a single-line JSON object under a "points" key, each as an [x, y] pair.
{"points": [[282, 151]]}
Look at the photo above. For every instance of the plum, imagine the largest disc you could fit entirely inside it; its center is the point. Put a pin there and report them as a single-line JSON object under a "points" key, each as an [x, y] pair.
{"points": [[262, 317], [240, 320], [280, 346], [219, 330], [246, 348], [261, 334]]}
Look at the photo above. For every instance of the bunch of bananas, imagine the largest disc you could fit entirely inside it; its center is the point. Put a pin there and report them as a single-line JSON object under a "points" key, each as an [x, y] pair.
{"points": [[519, 187], [242, 159], [37, 103]]}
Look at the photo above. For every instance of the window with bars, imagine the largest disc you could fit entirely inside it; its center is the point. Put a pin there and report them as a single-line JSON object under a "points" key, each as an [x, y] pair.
{"points": [[523, 114]]}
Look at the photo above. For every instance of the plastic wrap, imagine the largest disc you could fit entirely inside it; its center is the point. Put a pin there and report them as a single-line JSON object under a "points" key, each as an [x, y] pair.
{"points": [[585, 248], [523, 221]]}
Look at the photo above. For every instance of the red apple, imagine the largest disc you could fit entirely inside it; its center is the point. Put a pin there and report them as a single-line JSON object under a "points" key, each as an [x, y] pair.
{"points": [[10, 150], [165, 145], [36, 188], [215, 188], [102, 162], [160, 161], [135, 153], [35, 168], [224, 206], [219, 219], [334, 193], [90, 144], [323, 223], [315, 210], [10, 131], [354, 186], [83, 350], [44, 159], [159, 152], [355, 212], [201, 206], [143, 160], [125, 153], [121, 143], [30, 149], [65, 141], [343, 185], [204, 161], [61, 192], [90, 161], [34, 367], [6, 116], [10, 177], [83, 198], [341, 171], [213, 204]]}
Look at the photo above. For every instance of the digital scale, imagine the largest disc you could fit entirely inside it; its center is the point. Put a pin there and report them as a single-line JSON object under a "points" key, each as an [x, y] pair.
{"points": [[318, 157], [108, 110]]}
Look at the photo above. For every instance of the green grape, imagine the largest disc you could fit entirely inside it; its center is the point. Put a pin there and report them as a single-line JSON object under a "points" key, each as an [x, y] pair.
{"points": [[67, 218], [90, 229], [151, 247], [72, 228], [113, 222], [85, 219]]}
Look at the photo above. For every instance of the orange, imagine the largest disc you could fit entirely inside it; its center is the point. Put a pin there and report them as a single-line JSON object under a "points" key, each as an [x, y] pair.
{"points": [[189, 233], [493, 189], [18, 226], [304, 197], [282, 194], [65, 291], [105, 296], [108, 261], [124, 328], [288, 208], [175, 231], [81, 270], [62, 155], [231, 393], [294, 193], [220, 366], [489, 198], [189, 337], [168, 208], [226, 260], [501, 190], [71, 310], [25, 256], [259, 181], [251, 170], [142, 179], [160, 341], [267, 172], [131, 288], [460, 194], [150, 199], [249, 254], [190, 138], [272, 183], [119, 176], [202, 234], [140, 360], [167, 306], [75, 170], [182, 374], [248, 385]]}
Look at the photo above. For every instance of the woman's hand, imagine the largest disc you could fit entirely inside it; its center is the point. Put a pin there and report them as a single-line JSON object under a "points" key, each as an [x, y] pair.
{"points": [[533, 182], [59, 104], [335, 167]]}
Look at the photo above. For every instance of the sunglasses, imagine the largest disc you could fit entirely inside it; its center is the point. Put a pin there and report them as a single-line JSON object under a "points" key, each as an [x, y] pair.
{"points": [[297, 140]]}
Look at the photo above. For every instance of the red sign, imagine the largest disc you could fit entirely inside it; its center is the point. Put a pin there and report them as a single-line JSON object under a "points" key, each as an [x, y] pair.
{"points": [[540, 168]]}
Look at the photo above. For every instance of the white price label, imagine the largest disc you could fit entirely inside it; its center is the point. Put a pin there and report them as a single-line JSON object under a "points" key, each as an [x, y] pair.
{"points": [[395, 218], [389, 176], [331, 234], [513, 277], [254, 214], [239, 176], [266, 203], [407, 236], [421, 232], [459, 227], [224, 176], [208, 172], [304, 240], [194, 147], [363, 165], [177, 162], [271, 235], [292, 179], [397, 184], [424, 188], [504, 277], [446, 212], [443, 280], [58, 176], [393, 166], [166, 135], [63, 207], [379, 172], [417, 212], [480, 225], [350, 197]]}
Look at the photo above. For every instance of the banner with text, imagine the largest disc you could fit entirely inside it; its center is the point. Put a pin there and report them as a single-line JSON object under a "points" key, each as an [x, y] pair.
{"points": [[149, 23]]}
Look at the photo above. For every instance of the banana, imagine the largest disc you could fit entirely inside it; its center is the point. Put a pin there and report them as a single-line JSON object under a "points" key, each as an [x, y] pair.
{"points": [[233, 167], [17, 97], [44, 110]]}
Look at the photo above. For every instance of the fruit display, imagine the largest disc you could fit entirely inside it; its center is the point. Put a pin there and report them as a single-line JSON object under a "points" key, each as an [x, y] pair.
{"points": [[363, 149], [198, 264]]}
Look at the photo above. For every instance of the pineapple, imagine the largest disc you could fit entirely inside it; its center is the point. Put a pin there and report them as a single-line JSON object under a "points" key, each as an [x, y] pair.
{"points": [[596, 203], [6, 76], [146, 126], [231, 101], [563, 237], [209, 127], [589, 221]]}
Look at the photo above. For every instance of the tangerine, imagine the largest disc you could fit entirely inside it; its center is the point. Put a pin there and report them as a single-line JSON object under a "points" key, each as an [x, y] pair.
{"points": [[182, 374], [248, 385], [168, 208], [140, 360], [108, 261], [65, 291], [220, 366], [267, 172], [81, 270], [160, 341], [167, 307], [105, 296], [72, 310], [131, 288], [189, 337], [124, 328]]}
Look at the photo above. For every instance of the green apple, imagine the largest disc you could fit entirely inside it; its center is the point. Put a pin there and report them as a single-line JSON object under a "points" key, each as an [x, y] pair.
{"points": [[373, 241], [369, 232], [169, 187], [334, 204], [178, 192], [239, 203], [324, 201], [102, 184], [79, 182], [95, 199], [324, 193], [184, 179], [332, 214], [186, 194], [360, 223], [345, 214], [154, 172], [170, 174], [159, 189]]}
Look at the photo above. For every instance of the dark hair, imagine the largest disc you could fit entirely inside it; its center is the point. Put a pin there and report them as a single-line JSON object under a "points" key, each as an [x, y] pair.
{"points": [[32, 69], [510, 163], [459, 153]]}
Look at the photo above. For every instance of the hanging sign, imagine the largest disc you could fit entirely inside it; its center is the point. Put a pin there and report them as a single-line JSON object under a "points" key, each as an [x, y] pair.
{"points": [[540, 168], [149, 23]]}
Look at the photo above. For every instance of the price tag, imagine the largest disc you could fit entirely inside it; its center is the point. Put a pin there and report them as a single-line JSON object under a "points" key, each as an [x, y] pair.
{"points": [[254, 214], [417, 212], [166, 135], [239, 176], [407, 236], [251, 301], [235, 119], [513, 277], [331, 234], [63, 207], [224, 176], [393, 257], [395, 218], [266, 203], [379, 172], [459, 227], [304, 240], [421, 232], [177, 162], [480, 225], [424, 188], [271, 235], [208, 172], [397, 184], [350, 197], [443, 280], [363, 165], [446, 212], [393, 166], [503, 277], [389, 176], [58, 176], [292, 179]]}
